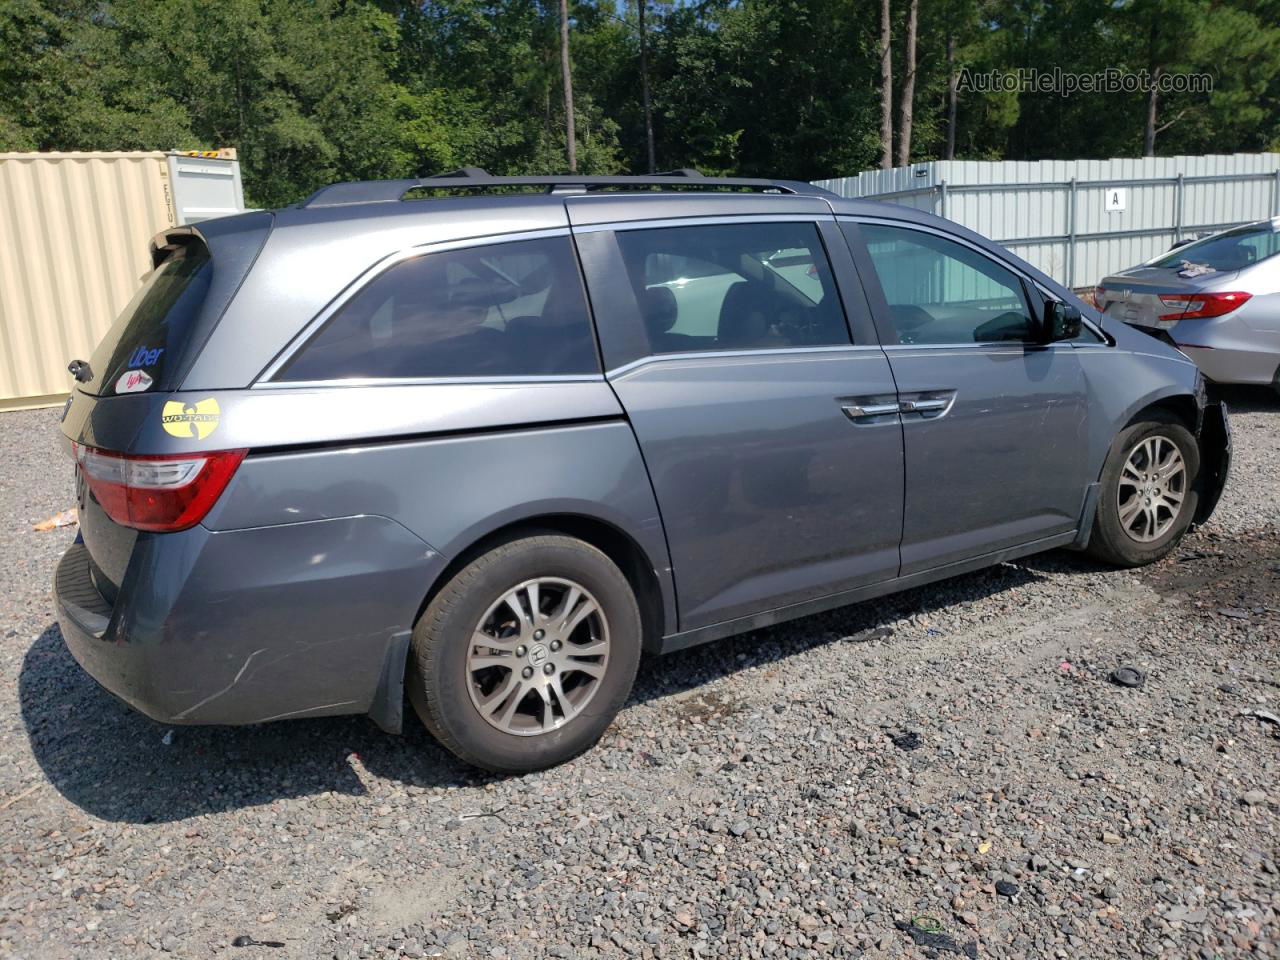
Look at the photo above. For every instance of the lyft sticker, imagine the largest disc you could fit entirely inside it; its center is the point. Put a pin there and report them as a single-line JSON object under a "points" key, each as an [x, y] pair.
{"points": [[134, 381]]}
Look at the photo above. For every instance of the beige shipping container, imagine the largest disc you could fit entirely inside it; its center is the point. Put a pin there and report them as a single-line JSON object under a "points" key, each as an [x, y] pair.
{"points": [[74, 235]]}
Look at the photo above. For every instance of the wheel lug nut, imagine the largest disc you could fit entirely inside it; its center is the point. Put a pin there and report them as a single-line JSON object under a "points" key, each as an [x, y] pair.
{"points": [[539, 634], [555, 644], [549, 669], [521, 650], [527, 672]]}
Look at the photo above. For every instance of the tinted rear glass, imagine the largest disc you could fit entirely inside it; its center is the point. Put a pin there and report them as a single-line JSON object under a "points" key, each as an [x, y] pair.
{"points": [[141, 351], [504, 309], [748, 286], [1233, 250]]}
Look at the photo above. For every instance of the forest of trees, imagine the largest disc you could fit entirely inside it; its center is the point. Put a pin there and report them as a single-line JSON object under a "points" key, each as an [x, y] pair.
{"points": [[313, 91]]}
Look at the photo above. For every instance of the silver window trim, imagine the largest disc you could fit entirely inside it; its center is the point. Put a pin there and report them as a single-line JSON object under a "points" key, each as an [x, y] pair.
{"points": [[426, 381], [764, 352], [619, 226], [983, 346], [372, 274], [947, 235]]}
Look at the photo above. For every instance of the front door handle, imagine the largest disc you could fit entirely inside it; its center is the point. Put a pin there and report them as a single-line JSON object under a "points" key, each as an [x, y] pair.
{"points": [[924, 406], [927, 405]]}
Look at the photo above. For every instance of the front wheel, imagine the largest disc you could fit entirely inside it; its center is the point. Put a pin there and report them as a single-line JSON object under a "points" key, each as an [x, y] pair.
{"points": [[1147, 496], [525, 657]]}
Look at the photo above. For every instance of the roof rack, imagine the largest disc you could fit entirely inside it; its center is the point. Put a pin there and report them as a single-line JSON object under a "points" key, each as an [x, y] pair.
{"points": [[474, 178]]}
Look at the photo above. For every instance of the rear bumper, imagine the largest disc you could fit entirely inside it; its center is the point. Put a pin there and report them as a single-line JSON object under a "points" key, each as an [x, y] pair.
{"points": [[84, 618], [1228, 350], [246, 626], [1226, 365]]}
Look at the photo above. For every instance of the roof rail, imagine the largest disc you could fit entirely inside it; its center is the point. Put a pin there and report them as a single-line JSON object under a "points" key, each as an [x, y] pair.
{"points": [[474, 178]]}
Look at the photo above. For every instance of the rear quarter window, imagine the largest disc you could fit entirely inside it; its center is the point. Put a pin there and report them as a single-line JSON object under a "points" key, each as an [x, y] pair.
{"points": [[498, 310], [143, 348]]}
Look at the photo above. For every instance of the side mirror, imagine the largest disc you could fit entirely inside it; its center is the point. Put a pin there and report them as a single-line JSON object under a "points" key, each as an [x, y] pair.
{"points": [[1061, 321]]}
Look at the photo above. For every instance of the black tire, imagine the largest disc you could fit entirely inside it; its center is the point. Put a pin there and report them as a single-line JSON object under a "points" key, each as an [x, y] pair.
{"points": [[1109, 541], [441, 687]]}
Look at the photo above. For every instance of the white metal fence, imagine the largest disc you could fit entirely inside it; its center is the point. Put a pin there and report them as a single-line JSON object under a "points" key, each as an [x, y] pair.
{"points": [[1079, 220]]}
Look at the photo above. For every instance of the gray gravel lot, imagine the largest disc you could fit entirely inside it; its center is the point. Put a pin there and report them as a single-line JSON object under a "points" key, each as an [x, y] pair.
{"points": [[757, 797]]}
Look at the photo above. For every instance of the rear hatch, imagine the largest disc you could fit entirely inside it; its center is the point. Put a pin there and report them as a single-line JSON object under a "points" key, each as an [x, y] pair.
{"points": [[143, 349], [122, 492]]}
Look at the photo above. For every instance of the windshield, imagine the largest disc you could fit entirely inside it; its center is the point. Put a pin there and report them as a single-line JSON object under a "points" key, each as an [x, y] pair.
{"points": [[1233, 250], [141, 350]]}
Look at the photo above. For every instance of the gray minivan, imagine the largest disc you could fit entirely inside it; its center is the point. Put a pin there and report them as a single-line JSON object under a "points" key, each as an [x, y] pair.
{"points": [[480, 442]]}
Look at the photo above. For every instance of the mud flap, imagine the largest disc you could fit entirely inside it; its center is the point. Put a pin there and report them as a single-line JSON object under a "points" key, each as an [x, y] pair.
{"points": [[1085, 528], [387, 710], [1215, 459]]}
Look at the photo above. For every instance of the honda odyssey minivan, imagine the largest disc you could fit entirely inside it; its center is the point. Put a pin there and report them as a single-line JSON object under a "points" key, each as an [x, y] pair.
{"points": [[477, 443]]}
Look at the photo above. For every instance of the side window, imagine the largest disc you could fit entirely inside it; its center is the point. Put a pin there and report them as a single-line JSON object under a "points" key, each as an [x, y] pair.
{"points": [[733, 287], [1260, 246], [506, 309], [940, 291]]}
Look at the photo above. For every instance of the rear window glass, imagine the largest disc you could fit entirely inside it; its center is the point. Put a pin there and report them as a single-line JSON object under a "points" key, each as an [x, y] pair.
{"points": [[1233, 250], [507, 309], [748, 286], [142, 349]]}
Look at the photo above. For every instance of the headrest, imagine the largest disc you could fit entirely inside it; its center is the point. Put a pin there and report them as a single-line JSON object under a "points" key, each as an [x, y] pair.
{"points": [[658, 305], [481, 292], [744, 318]]}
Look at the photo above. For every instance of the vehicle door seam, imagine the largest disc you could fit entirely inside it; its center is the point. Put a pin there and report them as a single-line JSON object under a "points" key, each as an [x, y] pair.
{"points": [[626, 418], [893, 376]]}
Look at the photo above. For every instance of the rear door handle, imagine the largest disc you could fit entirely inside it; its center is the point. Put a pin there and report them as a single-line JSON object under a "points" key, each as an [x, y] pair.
{"points": [[860, 411], [870, 410]]}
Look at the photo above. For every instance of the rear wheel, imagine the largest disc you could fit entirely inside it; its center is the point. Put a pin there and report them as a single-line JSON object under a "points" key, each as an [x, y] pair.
{"points": [[1148, 492], [525, 657]]}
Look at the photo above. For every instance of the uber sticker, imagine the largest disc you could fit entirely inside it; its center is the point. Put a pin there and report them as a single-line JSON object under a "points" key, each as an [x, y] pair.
{"points": [[194, 421], [145, 356], [134, 381]]}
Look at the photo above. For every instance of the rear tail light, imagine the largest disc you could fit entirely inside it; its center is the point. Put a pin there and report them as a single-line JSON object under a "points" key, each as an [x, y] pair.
{"points": [[1100, 297], [164, 493], [1191, 306]]}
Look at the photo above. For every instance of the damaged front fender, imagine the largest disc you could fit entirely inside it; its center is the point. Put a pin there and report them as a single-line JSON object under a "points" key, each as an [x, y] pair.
{"points": [[1214, 438]]}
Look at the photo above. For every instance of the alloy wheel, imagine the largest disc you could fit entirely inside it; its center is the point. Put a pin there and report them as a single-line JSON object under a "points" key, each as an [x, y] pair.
{"points": [[537, 656], [1152, 488]]}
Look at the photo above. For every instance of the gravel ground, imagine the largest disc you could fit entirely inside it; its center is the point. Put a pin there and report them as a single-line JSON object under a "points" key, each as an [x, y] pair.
{"points": [[944, 772]]}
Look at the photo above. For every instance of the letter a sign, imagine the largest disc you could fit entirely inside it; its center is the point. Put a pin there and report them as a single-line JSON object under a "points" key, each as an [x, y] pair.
{"points": [[1115, 199]]}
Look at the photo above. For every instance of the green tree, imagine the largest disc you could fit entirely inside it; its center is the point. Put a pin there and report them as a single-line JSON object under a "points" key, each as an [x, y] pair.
{"points": [[313, 91]]}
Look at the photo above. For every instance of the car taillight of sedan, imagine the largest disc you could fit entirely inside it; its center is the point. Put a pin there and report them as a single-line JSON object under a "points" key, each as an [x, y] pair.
{"points": [[1192, 306]]}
